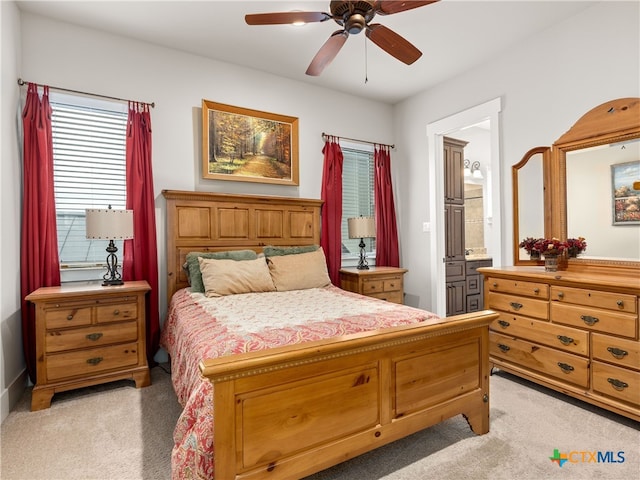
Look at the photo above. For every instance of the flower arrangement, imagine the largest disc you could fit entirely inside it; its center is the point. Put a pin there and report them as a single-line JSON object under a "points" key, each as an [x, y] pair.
{"points": [[575, 246], [550, 246], [529, 245]]}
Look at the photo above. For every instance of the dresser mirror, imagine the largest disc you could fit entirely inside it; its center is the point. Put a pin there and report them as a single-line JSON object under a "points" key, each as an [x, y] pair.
{"points": [[573, 184], [529, 188]]}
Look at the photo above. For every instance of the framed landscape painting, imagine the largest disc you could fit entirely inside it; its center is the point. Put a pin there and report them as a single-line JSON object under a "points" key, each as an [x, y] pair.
{"points": [[246, 145], [626, 200]]}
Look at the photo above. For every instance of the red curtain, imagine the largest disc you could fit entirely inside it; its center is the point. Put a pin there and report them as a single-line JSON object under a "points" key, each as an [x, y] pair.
{"points": [[331, 237], [140, 258], [39, 261], [386, 229]]}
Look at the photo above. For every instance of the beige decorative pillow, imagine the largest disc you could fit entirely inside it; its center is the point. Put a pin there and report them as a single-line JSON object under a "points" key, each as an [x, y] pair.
{"points": [[299, 271], [228, 277]]}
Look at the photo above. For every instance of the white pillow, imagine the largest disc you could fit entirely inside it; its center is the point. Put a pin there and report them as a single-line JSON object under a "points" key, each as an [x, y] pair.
{"points": [[228, 277]]}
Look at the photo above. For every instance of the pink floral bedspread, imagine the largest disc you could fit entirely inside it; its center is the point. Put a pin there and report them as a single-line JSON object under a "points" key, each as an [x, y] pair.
{"points": [[198, 327]]}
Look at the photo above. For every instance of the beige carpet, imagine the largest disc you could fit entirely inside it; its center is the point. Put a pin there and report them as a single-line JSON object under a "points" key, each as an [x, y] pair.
{"points": [[115, 431]]}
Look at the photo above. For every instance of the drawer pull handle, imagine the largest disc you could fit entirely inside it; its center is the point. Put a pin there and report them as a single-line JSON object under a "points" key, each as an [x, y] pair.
{"points": [[504, 348], [566, 368], [617, 352], [620, 303], [516, 305], [69, 317], [94, 336], [560, 294], [494, 284], [619, 385], [536, 291], [392, 285], [503, 323], [116, 312], [589, 320], [565, 340], [94, 361]]}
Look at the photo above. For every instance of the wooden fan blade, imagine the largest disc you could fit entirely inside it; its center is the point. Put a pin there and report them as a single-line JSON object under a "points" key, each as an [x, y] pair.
{"points": [[392, 6], [285, 18], [393, 44], [327, 52]]}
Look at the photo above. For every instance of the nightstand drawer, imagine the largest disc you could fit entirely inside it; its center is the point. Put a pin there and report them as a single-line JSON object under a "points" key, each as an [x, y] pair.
{"points": [[60, 340], [117, 312], [393, 297], [392, 284], [67, 317], [372, 286], [83, 362]]}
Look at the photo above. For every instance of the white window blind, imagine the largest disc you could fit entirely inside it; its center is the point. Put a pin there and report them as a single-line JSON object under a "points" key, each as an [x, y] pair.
{"points": [[89, 172], [357, 196]]}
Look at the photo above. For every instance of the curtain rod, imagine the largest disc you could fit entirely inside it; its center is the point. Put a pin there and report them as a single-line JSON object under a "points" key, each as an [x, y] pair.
{"points": [[325, 135], [22, 82]]}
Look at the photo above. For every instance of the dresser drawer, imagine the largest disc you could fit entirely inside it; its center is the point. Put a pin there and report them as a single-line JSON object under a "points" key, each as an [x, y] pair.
{"points": [[116, 312], [612, 301], [393, 297], [596, 319], [67, 316], [557, 336], [616, 382], [83, 362], [393, 284], [548, 361], [517, 287], [520, 305], [73, 339], [625, 353]]}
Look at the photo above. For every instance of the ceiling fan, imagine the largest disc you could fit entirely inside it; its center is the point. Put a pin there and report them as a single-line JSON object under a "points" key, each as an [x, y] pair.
{"points": [[354, 17]]}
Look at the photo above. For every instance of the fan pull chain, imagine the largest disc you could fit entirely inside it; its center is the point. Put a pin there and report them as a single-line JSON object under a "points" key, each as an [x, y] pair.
{"points": [[366, 64]]}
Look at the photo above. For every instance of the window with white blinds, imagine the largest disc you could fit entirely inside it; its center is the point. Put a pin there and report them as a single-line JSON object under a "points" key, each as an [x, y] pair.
{"points": [[89, 172], [357, 197]]}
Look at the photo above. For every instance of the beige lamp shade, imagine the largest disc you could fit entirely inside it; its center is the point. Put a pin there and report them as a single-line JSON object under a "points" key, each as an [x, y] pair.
{"points": [[362, 227], [109, 224]]}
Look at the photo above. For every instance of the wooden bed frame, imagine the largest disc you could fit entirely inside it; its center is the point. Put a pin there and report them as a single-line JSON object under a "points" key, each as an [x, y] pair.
{"points": [[292, 411]]}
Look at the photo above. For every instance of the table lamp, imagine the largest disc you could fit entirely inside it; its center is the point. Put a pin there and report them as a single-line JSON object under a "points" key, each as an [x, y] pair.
{"points": [[110, 224], [362, 227]]}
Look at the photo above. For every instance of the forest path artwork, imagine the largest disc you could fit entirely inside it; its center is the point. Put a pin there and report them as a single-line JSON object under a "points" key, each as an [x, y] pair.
{"points": [[264, 166], [249, 145]]}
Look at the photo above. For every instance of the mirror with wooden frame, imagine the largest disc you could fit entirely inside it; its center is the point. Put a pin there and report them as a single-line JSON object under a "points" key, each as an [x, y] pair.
{"points": [[530, 201], [587, 187], [595, 166]]}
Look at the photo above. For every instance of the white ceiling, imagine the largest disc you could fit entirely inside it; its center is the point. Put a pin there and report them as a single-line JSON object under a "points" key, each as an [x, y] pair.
{"points": [[454, 36]]}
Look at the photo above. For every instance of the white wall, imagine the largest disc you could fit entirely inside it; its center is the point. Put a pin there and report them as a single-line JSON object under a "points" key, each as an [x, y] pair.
{"points": [[546, 84], [12, 366]]}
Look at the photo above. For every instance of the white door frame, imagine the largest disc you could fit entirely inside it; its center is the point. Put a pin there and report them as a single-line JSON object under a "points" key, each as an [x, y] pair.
{"points": [[435, 133]]}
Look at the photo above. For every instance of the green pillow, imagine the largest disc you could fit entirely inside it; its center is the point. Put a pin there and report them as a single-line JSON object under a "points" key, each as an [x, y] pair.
{"points": [[271, 251], [193, 265]]}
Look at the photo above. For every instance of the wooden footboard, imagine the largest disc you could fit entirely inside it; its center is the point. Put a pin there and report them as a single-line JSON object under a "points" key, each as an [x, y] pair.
{"points": [[289, 412]]}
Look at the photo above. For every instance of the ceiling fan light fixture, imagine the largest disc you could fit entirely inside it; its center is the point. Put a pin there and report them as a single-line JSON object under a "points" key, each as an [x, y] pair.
{"points": [[355, 23]]}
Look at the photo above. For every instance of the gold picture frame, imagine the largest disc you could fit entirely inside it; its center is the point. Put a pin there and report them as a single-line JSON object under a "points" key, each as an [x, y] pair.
{"points": [[244, 145]]}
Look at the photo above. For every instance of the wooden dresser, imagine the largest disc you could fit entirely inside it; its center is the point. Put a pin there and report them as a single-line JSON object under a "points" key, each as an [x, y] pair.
{"points": [[575, 332], [385, 283], [86, 335]]}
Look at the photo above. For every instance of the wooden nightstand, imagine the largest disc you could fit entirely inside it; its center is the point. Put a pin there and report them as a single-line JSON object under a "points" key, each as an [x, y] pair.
{"points": [[86, 335], [385, 283]]}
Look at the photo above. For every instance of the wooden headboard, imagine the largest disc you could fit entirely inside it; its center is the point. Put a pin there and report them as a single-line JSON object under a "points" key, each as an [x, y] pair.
{"points": [[210, 222]]}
